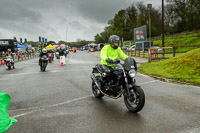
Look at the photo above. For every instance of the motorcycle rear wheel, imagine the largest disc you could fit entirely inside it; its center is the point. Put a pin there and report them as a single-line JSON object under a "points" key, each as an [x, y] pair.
{"points": [[95, 90], [137, 100]]}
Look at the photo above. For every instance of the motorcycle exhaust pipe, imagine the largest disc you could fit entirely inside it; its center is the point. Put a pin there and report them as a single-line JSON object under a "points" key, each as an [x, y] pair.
{"points": [[95, 81]]}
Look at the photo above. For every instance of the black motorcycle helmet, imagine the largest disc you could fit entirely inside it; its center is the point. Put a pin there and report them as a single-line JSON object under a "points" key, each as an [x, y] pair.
{"points": [[113, 39]]}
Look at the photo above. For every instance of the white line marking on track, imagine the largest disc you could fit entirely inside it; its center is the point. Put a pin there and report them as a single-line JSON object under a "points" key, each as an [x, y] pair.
{"points": [[194, 130], [148, 82], [70, 59], [194, 86], [51, 71], [143, 75], [22, 114], [35, 109]]}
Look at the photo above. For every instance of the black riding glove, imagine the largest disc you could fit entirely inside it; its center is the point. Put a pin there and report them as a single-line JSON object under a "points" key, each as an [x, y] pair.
{"points": [[109, 60], [117, 61]]}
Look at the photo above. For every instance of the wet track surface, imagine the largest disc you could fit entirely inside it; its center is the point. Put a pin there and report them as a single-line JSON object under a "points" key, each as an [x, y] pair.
{"points": [[60, 100]]}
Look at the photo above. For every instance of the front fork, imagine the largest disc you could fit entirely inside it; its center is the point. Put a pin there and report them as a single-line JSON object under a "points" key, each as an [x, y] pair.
{"points": [[126, 85]]}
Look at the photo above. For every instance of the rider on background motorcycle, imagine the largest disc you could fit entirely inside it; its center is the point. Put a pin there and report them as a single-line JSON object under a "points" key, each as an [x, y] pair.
{"points": [[9, 53], [50, 51], [61, 51], [110, 53], [44, 52]]}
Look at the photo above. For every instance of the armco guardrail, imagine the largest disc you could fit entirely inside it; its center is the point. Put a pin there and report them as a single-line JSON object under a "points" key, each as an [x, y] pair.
{"points": [[20, 57], [25, 56]]}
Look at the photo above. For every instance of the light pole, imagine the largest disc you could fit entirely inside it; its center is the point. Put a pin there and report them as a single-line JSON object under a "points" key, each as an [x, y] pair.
{"points": [[66, 33], [149, 7], [163, 36]]}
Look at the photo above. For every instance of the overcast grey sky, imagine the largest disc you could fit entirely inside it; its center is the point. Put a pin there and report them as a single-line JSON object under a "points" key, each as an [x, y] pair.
{"points": [[50, 18]]}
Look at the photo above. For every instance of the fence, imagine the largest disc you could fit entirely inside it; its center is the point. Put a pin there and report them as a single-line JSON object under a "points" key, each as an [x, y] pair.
{"points": [[23, 56], [159, 53], [166, 51], [138, 52]]}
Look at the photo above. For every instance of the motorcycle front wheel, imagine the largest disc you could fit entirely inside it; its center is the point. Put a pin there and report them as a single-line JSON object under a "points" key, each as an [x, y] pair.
{"points": [[43, 66], [9, 65], [136, 102]]}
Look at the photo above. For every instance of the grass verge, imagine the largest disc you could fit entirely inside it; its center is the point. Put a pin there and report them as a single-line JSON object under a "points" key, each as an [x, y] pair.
{"points": [[185, 67]]}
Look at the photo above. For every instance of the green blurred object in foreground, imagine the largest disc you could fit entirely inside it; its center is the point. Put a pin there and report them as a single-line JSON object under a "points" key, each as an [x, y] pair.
{"points": [[5, 120]]}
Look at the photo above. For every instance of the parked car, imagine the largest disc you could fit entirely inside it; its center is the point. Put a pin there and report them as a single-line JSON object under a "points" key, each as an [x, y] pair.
{"points": [[158, 49], [132, 47], [126, 47]]}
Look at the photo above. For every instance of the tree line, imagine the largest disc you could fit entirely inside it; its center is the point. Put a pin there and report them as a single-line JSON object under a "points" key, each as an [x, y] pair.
{"points": [[180, 15]]}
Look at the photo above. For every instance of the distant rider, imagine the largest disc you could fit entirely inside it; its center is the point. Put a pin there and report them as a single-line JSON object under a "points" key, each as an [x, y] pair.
{"points": [[44, 52], [9, 53]]}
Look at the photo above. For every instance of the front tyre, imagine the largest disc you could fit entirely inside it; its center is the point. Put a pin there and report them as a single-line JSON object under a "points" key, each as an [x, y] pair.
{"points": [[95, 89], [137, 100], [45, 65], [9, 65]]}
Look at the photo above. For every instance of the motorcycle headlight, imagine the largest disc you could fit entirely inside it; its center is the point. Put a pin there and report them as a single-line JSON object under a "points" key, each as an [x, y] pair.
{"points": [[132, 73]]}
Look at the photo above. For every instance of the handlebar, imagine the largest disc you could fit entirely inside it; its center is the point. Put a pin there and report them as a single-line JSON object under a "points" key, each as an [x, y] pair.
{"points": [[115, 62]]}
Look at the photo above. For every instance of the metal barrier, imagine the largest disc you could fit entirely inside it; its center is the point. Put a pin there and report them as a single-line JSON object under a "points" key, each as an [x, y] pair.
{"points": [[137, 52], [168, 52], [23, 56], [157, 53]]}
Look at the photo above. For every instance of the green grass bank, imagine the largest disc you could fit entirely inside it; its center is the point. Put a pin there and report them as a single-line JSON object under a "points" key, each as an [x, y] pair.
{"points": [[185, 67]]}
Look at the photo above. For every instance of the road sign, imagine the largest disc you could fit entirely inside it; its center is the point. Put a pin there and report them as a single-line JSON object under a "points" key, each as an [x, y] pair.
{"points": [[149, 6], [140, 34]]}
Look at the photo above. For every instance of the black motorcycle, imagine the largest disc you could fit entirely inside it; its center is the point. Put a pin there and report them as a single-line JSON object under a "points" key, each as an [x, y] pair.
{"points": [[43, 63], [117, 81]]}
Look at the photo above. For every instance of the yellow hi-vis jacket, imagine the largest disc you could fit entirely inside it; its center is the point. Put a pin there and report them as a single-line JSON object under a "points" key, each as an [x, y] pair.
{"points": [[109, 52]]}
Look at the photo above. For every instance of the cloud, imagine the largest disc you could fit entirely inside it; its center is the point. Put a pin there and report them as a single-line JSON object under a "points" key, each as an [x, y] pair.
{"points": [[99, 10], [15, 11], [50, 19]]}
